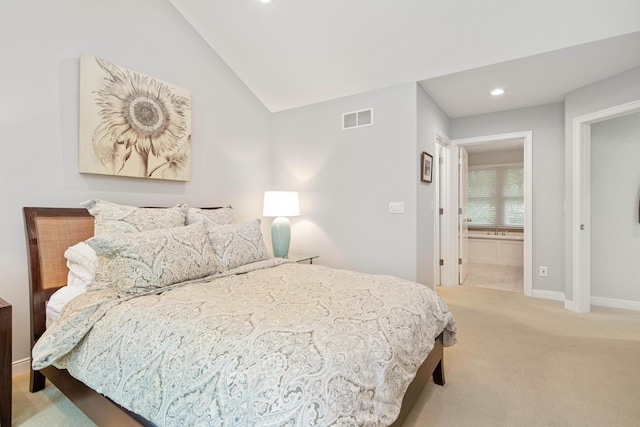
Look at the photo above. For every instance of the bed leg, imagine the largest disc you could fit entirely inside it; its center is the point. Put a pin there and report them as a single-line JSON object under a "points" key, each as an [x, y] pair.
{"points": [[438, 374], [36, 381]]}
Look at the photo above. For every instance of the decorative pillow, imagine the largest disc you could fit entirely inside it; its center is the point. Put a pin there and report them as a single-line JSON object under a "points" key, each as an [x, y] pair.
{"points": [[113, 218], [221, 216], [237, 244], [135, 263]]}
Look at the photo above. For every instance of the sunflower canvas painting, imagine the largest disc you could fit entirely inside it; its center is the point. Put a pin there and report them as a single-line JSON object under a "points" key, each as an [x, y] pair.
{"points": [[132, 124]]}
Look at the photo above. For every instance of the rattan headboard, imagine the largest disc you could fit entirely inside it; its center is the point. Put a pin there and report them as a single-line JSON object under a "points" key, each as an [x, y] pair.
{"points": [[49, 232]]}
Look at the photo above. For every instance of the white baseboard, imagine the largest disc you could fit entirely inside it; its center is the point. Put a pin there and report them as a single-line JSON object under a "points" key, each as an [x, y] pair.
{"points": [[607, 302], [604, 302], [552, 295], [20, 367], [616, 303]]}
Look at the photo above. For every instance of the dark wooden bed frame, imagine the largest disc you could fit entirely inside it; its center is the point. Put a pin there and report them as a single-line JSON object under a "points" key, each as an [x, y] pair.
{"points": [[49, 232]]}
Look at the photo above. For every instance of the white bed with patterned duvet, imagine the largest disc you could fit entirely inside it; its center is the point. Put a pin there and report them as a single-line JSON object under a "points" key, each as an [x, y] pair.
{"points": [[194, 324]]}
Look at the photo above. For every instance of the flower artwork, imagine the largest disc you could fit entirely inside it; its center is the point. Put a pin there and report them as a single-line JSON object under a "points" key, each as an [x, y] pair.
{"points": [[132, 124]]}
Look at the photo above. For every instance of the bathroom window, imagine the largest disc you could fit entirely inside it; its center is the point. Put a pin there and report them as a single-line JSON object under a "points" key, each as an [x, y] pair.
{"points": [[496, 196]]}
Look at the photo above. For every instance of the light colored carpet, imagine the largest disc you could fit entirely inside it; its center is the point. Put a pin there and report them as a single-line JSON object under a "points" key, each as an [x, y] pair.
{"points": [[46, 408], [524, 361], [519, 362]]}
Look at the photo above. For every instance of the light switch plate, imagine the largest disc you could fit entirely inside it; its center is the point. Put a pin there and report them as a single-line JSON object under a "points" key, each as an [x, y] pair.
{"points": [[396, 207]]}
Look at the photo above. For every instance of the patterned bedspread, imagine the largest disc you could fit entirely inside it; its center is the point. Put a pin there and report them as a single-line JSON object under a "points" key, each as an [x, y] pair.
{"points": [[281, 345]]}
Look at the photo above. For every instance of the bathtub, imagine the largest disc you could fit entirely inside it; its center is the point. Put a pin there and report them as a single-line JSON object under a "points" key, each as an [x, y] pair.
{"points": [[502, 248]]}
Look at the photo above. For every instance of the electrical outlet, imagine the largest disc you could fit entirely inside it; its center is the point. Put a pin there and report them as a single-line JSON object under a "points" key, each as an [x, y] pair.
{"points": [[543, 271]]}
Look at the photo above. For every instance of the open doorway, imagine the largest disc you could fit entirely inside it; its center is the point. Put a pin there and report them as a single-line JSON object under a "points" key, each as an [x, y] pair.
{"points": [[491, 230], [493, 236], [579, 219]]}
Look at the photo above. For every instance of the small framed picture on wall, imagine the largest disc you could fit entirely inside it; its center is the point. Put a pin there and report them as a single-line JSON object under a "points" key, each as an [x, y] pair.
{"points": [[427, 167]]}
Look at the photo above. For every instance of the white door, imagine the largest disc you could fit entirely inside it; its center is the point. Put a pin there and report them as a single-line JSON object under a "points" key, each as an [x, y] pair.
{"points": [[463, 224], [440, 168]]}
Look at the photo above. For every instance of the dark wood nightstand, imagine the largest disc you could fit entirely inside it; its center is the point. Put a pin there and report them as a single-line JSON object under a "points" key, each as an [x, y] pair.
{"points": [[301, 258], [5, 363]]}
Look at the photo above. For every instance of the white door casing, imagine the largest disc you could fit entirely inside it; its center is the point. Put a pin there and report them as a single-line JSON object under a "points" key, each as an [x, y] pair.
{"points": [[527, 136], [463, 213], [580, 221], [439, 168], [445, 238]]}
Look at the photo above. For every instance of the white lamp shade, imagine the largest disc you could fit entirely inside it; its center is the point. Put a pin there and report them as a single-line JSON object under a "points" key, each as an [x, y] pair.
{"points": [[281, 203]]}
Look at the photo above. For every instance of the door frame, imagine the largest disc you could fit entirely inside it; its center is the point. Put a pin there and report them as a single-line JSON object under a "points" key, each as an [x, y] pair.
{"points": [[463, 212], [442, 242], [581, 203], [527, 137]]}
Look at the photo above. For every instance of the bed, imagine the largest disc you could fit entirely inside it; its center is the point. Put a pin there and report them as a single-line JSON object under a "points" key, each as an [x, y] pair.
{"points": [[283, 350]]}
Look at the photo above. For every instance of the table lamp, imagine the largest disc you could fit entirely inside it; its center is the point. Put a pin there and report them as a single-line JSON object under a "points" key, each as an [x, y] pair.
{"points": [[281, 204]]}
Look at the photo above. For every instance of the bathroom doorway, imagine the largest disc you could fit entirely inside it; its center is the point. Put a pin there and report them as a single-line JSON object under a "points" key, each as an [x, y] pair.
{"points": [[493, 224]]}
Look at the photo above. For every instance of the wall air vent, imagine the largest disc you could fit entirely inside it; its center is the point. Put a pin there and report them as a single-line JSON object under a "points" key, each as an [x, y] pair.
{"points": [[357, 119]]}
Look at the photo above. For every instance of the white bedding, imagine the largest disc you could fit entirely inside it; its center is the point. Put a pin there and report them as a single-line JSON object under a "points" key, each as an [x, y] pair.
{"points": [[281, 345], [58, 300], [82, 263]]}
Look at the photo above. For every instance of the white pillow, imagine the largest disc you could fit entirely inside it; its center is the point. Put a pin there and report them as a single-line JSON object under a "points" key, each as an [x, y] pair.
{"points": [[113, 218], [134, 263], [82, 262], [58, 300]]}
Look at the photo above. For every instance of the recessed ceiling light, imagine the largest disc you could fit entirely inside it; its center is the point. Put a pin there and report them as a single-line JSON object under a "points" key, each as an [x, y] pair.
{"points": [[497, 92], [266, 1]]}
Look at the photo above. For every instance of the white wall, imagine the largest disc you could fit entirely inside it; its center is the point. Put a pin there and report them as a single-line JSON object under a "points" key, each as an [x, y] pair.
{"points": [[346, 180], [41, 42], [429, 118], [615, 197], [547, 124], [611, 92]]}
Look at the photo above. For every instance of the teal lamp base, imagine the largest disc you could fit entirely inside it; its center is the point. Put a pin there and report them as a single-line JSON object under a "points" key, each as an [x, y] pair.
{"points": [[281, 236]]}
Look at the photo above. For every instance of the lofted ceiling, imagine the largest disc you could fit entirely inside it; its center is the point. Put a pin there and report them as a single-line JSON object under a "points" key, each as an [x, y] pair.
{"points": [[292, 53]]}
